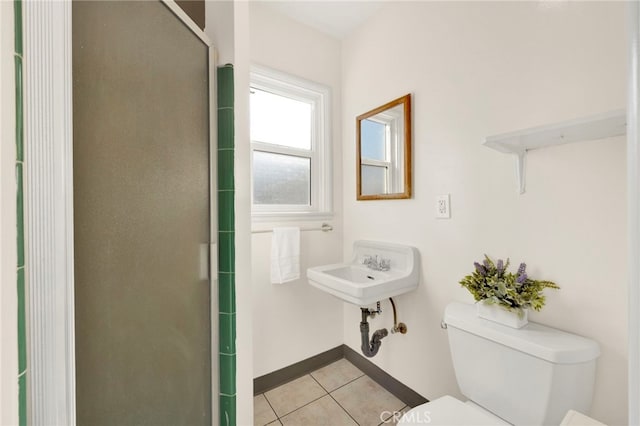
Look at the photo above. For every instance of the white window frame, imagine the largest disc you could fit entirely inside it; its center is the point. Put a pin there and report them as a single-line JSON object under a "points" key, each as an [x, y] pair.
{"points": [[318, 96]]}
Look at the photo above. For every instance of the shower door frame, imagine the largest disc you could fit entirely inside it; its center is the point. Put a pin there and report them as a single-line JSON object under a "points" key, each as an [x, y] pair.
{"points": [[47, 30], [633, 208]]}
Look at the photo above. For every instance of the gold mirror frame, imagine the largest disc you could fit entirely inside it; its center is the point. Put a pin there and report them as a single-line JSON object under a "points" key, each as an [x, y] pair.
{"points": [[406, 102]]}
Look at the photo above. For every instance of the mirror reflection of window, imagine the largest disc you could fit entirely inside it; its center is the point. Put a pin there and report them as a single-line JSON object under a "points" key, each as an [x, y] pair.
{"points": [[381, 152], [374, 140], [374, 161]]}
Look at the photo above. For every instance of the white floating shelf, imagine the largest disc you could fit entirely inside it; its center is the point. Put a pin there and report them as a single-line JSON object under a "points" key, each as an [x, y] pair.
{"points": [[599, 126]]}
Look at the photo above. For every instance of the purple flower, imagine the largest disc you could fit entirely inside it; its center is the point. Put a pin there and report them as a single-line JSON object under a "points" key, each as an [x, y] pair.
{"points": [[500, 267], [486, 264], [480, 269], [522, 268], [521, 278]]}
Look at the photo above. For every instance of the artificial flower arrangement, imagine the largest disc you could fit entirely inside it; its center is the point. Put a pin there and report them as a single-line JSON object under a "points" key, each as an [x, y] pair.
{"points": [[491, 283]]}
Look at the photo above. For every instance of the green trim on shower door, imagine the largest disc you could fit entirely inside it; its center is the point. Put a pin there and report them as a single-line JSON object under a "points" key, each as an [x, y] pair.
{"points": [[22, 399], [20, 214], [225, 87], [20, 276], [22, 326], [226, 253], [17, 25], [227, 410], [19, 109], [226, 293]]}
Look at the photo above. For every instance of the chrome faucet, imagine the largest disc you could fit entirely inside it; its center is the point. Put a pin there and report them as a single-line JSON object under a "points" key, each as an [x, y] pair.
{"points": [[376, 263]]}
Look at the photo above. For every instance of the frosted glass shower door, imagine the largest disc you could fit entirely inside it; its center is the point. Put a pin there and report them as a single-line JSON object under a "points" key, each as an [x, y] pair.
{"points": [[142, 215]]}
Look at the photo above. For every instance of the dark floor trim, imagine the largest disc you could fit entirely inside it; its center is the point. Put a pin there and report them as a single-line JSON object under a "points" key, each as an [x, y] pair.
{"points": [[398, 389], [279, 377], [273, 380]]}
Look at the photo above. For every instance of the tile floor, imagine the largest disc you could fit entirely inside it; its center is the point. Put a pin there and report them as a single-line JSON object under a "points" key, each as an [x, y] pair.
{"points": [[336, 395]]}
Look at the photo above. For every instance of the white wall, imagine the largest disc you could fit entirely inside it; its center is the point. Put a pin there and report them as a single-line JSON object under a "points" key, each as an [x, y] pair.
{"points": [[219, 27], [244, 308], [8, 259], [477, 69], [294, 321]]}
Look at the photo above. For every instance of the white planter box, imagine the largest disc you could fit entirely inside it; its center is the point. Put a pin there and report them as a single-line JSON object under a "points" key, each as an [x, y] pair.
{"points": [[496, 313]]}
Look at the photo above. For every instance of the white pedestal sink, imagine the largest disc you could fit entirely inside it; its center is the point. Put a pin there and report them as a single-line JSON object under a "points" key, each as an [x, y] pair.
{"points": [[377, 271]]}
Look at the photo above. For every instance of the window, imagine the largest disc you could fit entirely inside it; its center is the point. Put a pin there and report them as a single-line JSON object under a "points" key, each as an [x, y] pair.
{"points": [[289, 147]]}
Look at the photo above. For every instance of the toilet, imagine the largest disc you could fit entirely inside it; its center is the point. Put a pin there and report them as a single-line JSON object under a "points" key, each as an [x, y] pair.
{"points": [[528, 376]]}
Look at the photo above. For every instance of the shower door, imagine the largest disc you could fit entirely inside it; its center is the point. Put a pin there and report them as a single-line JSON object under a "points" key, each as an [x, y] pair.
{"points": [[142, 216]]}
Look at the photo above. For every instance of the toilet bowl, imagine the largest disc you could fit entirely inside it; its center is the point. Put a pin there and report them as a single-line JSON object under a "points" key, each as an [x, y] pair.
{"points": [[528, 376]]}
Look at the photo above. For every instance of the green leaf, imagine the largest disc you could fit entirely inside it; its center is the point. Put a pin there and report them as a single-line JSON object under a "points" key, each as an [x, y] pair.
{"points": [[505, 290]]}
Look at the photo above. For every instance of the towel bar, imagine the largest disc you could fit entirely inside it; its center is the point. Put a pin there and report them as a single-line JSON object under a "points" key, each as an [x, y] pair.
{"points": [[324, 228]]}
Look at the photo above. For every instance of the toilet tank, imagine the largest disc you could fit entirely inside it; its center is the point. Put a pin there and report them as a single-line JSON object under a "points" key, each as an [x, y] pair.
{"points": [[527, 376]]}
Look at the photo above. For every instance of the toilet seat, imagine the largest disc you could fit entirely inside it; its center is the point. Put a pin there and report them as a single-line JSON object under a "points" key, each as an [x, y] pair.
{"points": [[449, 411]]}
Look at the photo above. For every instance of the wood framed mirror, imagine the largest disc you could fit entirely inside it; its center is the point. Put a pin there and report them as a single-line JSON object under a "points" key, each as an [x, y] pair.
{"points": [[383, 151]]}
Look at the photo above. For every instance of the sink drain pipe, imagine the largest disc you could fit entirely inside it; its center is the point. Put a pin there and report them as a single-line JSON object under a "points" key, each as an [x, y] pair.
{"points": [[370, 349]]}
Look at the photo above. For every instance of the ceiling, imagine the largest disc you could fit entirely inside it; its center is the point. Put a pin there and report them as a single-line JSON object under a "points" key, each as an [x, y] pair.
{"points": [[336, 18]]}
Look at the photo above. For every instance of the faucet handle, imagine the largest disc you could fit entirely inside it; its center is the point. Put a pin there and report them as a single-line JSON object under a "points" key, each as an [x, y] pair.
{"points": [[385, 264], [366, 259]]}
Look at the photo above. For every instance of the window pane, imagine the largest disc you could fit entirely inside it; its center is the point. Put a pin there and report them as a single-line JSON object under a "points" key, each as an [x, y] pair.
{"points": [[372, 140], [281, 179], [373, 179], [280, 120]]}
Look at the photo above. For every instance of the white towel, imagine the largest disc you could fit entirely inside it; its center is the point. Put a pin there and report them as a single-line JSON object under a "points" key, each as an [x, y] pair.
{"points": [[285, 255]]}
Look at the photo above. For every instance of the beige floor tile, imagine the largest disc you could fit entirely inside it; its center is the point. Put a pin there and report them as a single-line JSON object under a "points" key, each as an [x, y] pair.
{"points": [[262, 411], [366, 401], [336, 374], [395, 417], [276, 423], [293, 395], [322, 412]]}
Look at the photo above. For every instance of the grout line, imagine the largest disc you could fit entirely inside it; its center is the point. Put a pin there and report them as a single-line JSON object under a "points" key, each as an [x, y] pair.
{"points": [[344, 409], [271, 406], [316, 380], [349, 382], [384, 422], [302, 406], [331, 396]]}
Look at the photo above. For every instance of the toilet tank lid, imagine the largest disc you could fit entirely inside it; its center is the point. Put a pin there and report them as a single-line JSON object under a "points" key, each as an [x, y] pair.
{"points": [[553, 345]]}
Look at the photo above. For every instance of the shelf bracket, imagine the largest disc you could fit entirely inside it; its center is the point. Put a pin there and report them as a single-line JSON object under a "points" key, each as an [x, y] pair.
{"points": [[521, 173]]}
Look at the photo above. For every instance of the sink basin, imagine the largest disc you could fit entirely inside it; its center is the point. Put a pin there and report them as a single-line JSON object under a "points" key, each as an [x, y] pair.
{"points": [[362, 285]]}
